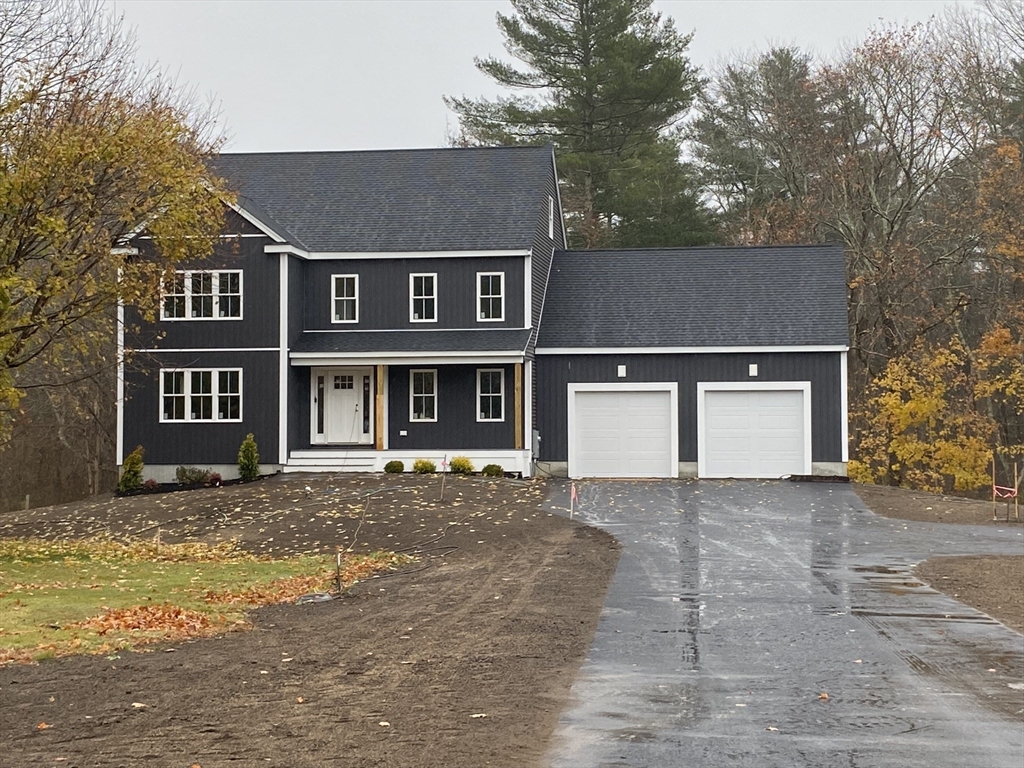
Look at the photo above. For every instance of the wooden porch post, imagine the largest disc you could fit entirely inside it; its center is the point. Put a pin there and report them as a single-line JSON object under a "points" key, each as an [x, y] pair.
{"points": [[378, 410], [519, 406]]}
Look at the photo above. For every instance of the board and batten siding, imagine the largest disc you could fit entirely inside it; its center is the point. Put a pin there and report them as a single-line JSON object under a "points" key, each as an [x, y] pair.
{"points": [[384, 292], [456, 427], [203, 443], [823, 369]]}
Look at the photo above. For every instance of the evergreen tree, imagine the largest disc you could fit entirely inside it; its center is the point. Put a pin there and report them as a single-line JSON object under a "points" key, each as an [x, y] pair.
{"points": [[608, 82]]}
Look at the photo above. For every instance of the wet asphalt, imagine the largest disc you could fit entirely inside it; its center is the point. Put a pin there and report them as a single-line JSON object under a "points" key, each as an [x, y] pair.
{"points": [[738, 606]]}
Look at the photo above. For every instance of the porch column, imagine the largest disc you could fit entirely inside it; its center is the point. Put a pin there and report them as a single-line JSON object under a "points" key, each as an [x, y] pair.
{"points": [[378, 410], [518, 399]]}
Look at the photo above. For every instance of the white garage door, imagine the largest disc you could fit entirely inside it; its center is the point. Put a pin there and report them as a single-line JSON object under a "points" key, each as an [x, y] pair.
{"points": [[622, 433], [754, 433]]}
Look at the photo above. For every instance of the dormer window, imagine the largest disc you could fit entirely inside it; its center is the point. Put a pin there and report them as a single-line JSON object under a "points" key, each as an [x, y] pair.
{"points": [[551, 217], [423, 298], [490, 291], [345, 298]]}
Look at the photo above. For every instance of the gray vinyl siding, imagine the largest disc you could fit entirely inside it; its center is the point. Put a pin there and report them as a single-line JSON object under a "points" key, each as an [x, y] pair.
{"points": [[200, 444], [384, 292], [299, 408], [553, 373], [456, 427]]}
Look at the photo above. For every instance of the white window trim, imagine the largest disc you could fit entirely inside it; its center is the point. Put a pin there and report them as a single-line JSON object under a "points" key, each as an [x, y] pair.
{"points": [[412, 297], [479, 296], [215, 282], [412, 375], [215, 383], [479, 394], [335, 297], [744, 386]]}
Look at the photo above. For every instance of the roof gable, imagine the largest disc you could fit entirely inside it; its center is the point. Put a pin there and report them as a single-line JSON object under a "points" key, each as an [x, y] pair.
{"points": [[697, 297], [394, 200]]}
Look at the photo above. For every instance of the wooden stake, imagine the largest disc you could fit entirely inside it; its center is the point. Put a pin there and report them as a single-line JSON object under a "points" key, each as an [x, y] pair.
{"points": [[994, 515]]}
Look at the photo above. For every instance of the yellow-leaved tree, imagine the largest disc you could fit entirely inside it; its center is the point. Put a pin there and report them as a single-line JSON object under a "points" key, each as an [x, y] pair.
{"points": [[92, 149], [918, 426]]}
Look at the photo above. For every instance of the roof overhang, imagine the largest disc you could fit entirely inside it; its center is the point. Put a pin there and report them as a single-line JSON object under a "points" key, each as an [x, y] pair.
{"points": [[255, 221], [342, 255], [405, 358], [688, 350]]}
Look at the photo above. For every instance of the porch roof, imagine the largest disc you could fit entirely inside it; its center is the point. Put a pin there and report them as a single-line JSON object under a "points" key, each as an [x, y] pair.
{"points": [[367, 344]]}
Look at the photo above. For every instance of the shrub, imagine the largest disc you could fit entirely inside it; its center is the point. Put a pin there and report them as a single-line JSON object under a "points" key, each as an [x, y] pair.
{"points": [[248, 459], [191, 476], [131, 471], [493, 470], [215, 478], [151, 485], [424, 466], [460, 465], [394, 467]]}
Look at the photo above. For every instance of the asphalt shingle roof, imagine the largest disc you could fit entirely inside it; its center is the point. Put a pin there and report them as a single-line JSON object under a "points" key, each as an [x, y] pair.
{"points": [[505, 340], [395, 200], [694, 297]]}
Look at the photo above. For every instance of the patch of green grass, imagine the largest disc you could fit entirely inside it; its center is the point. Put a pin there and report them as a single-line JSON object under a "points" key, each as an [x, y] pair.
{"points": [[47, 588]]}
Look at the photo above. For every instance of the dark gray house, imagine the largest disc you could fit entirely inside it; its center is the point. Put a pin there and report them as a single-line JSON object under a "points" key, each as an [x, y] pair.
{"points": [[370, 306]]}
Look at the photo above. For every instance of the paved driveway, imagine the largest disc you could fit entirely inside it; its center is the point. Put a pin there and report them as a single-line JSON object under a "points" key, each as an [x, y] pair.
{"points": [[738, 605]]}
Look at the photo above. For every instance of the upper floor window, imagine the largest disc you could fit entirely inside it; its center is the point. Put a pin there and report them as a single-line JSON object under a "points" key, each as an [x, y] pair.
{"points": [[189, 394], [203, 295], [423, 298], [490, 292], [551, 217], [345, 298]]}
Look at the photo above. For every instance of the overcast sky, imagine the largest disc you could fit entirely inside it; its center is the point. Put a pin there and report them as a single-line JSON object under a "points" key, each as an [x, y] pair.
{"points": [[370, 74]]}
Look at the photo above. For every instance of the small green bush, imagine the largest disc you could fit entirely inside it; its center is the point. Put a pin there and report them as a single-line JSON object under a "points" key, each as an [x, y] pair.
{"points": [[424, 466], [394, 467], [131, 471], [192, 476], [248, 459], [460, 465], [493, 470]]}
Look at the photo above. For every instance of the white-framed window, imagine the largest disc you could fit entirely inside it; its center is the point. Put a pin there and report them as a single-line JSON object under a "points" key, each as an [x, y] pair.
{"points": [[423, 395], [490, 296], [551, 217], [345, 298], [423, 298], [203, 295], [200, 394], [490, 394]]}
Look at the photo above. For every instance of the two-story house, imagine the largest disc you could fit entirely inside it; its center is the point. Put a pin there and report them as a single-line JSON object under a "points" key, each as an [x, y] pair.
{"points": [[361, 307], [368, 306]]}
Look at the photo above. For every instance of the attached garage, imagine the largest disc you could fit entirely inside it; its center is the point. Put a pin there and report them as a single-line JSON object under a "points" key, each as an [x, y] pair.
{"points": [[753, 430], [623, 430]]}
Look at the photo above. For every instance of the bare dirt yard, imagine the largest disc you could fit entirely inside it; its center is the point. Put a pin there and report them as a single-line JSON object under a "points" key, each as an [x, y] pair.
{"points": [[992, 584], [461, 658]]}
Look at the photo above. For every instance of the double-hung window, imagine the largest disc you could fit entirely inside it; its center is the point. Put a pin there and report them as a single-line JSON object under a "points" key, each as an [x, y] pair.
{"points": [[423, 395], [201, 394], [345, 298], [490, 394], [490, 294], [203, 295], [423, 298]]}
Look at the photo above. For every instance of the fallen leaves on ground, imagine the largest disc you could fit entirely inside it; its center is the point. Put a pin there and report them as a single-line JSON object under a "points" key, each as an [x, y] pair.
{"points": [[169, 620]]}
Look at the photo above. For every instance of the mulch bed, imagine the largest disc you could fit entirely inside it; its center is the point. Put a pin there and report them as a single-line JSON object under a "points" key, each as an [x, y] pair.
{"points": [[464, 658], [994, 584]]}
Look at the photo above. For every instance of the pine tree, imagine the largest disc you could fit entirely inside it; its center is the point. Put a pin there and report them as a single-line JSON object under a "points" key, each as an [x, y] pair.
{"points": [[608, 82]]}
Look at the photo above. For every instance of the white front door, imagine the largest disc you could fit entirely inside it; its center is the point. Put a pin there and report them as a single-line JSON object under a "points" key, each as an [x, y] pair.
{"points": [[342, 406]]}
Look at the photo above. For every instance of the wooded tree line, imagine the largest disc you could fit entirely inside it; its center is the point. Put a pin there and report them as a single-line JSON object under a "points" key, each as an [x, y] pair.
{"points": [[905, 147]]}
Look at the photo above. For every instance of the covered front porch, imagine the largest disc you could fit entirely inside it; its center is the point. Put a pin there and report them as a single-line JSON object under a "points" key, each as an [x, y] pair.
{"points": [[352, 410]]}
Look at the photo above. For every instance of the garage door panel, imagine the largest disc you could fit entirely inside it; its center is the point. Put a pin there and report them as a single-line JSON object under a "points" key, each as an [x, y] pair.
{"points": [[753, 433], [622, 433]]}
